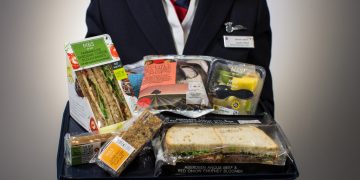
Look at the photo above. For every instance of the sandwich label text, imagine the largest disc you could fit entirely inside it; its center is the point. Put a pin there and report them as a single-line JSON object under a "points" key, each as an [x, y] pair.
{"points": [[91, 52], [116, 153]]}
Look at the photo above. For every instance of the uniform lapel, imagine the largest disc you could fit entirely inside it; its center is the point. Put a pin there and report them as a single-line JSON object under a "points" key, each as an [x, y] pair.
{"points": [[209, 18], [151, 18]]}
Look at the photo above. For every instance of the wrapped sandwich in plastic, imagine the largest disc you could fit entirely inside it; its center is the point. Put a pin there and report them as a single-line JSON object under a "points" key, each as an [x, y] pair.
{"points": [[177, 84], [195, 148], [79, 149], [235, 87], [120, 150]]}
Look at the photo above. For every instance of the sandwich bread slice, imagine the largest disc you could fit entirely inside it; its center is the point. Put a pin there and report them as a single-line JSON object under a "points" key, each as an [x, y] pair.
{"points": [[220, 144], [236, 139], [190, 140]]}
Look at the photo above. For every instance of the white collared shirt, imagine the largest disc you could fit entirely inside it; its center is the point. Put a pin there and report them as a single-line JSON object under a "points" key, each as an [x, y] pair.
{"points": [[180, 31]]}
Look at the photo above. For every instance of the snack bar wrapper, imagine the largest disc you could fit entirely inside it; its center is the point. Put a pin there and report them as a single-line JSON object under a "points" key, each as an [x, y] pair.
{"points": [[176, 84], [120, 150]]}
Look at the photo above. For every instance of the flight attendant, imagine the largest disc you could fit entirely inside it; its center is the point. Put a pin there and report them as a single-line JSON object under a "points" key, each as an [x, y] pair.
{"points": [[188, 27]]}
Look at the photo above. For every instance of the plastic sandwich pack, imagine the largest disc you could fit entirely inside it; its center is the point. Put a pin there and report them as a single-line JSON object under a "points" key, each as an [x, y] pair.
{"points": [[100, 95], [196, 148], [81, 148], [120, 150]]}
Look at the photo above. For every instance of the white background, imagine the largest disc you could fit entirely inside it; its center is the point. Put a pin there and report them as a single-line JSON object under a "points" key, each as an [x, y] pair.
{"points": [[314, 66]]}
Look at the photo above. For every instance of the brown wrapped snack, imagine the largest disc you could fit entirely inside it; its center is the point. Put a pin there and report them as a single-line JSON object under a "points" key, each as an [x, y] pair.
{"points": [[115, 155]]}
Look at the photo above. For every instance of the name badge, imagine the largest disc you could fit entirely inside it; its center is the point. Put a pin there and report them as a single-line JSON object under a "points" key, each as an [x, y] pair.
{"points": [[239, 42]]}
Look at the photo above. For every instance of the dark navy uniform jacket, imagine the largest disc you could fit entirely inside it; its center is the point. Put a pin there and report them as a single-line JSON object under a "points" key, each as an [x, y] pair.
{"points": [[140, 27]]}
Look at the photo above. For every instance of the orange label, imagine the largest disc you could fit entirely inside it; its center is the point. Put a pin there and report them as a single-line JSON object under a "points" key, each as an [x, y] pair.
{"points": [[116, 153], [159, 72]]}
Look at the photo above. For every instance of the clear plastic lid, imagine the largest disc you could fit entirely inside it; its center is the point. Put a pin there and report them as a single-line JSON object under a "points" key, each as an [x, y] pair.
{"points": [[117, 153], [235, 87], [199, 143], [79, 149]]}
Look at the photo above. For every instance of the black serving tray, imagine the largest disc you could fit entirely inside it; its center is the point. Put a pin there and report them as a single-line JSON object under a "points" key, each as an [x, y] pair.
{"points": [[143, 166]]}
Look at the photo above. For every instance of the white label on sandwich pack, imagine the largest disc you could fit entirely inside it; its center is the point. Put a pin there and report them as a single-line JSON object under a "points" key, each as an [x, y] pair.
{"points": [[225, 111], [125, 145], [239, 42], [196, 93]]}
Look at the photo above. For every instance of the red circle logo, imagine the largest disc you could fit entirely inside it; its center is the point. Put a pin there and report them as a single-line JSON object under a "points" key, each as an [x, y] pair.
{"points": [[73, 60], [113, 51], [93, 126]]}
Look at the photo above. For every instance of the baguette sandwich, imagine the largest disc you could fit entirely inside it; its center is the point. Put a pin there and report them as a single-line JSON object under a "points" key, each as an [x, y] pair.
{"points": [[106, 99], [220, 144]]}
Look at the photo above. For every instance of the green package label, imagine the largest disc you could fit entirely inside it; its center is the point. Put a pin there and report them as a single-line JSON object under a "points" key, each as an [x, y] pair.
{"points": [[91, 52]]}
